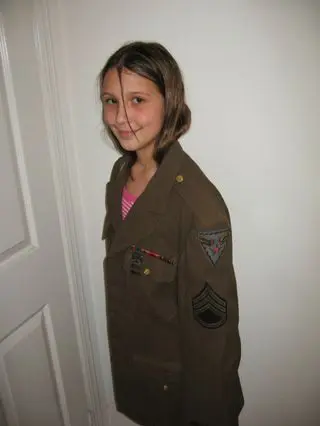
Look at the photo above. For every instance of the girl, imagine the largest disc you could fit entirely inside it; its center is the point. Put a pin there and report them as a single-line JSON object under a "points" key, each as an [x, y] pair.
{"points": [[171, 292]]}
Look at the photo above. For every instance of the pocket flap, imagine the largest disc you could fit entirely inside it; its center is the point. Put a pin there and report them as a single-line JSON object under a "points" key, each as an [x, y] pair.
{"points": [[151, 265]]}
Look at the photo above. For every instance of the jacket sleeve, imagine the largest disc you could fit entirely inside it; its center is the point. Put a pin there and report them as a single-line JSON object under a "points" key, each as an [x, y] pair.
{"points": [[208, 307]]}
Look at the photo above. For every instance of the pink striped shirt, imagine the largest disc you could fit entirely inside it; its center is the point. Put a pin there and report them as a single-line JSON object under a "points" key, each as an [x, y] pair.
{"points": [[128, 201]]}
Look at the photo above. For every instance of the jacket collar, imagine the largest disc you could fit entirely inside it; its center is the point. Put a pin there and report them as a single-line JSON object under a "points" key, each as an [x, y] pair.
{"points": [[151, 204]]}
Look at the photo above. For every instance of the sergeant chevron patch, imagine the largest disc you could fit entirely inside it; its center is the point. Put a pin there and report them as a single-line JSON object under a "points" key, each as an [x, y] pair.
{"points": [[214, 243], [209, 309]]}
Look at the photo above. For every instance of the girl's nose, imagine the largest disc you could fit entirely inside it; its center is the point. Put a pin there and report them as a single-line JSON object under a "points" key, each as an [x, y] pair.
{"points": [[122, 113]]}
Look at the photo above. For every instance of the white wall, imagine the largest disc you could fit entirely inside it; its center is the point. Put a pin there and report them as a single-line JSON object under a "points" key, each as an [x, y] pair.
{"points": [[252, 74]]}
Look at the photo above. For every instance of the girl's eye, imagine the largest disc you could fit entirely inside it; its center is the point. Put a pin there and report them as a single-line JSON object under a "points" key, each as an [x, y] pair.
{"points": [[109, 101], [137, 100]]}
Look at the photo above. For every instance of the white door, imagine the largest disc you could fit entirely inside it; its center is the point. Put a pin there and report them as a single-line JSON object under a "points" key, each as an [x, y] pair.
{"points": [[41, 381]]}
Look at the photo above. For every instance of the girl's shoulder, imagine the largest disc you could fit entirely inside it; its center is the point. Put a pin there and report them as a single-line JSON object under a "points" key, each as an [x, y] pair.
{"points": [[200, 194]]}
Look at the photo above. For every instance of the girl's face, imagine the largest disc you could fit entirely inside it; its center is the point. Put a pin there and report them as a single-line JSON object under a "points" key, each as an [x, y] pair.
{"points": [[137, 105]]}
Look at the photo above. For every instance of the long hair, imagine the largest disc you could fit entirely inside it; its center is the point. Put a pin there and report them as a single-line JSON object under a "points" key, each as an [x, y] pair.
{"points": [[154, 62]]}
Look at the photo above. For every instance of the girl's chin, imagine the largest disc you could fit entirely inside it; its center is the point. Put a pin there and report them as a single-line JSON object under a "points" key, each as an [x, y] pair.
{"points": [[134, 145], [127, 145]]}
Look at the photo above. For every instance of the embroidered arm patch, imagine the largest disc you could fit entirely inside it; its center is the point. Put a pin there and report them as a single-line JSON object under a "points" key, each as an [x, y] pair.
{"points": [[209, 309], [214, 243]]}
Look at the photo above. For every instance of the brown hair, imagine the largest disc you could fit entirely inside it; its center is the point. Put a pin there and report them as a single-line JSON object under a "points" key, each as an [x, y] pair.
{"points": [[154, 62]]}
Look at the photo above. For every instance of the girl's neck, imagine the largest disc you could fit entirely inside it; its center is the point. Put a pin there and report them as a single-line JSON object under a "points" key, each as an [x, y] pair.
{"points": [[143, 170], [145, 157], [145, 161], [145, 165]]}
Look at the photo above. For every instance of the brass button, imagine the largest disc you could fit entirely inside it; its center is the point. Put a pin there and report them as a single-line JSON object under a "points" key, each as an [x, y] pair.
{"points": [[165, 387], [179, 178], [147, 271]]}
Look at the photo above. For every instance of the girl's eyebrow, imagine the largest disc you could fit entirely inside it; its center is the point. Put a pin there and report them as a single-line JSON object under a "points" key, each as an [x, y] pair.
{"points": [[140, 93], [106, 94], [133, 93]]}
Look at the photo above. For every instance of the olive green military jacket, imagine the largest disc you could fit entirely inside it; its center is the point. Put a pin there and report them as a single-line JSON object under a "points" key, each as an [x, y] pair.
{"points": [[172, 307]]}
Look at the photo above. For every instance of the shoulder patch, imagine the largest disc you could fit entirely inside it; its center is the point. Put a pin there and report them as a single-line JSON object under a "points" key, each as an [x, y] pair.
{"points": [[213, 243], [209, 309]]}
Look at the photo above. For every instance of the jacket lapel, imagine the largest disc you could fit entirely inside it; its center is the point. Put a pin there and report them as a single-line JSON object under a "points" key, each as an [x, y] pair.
{"points": [[114, 196], [149, 207]]}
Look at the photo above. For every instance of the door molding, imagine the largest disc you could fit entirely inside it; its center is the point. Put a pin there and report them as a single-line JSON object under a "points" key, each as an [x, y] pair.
{"points": [[48, 27]]}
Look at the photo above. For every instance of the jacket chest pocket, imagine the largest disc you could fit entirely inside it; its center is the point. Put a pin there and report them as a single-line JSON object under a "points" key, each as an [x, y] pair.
{"points": [[150, 266], [151, 281]]}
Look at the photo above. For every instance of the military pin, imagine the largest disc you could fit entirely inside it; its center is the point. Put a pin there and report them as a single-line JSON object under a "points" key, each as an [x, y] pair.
{"points": [[136, 261]]}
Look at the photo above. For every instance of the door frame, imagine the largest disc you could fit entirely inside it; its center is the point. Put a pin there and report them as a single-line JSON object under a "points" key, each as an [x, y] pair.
{"points": [[48, 27]]}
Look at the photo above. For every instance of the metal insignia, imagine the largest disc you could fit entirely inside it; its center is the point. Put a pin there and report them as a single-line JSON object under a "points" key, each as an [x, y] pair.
{"points": [[136, 261], [209, 309], [214, 243]]}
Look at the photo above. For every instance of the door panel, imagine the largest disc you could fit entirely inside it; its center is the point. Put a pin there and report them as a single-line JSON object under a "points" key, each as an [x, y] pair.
{"points": [[30, 371], [41, 381]]}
